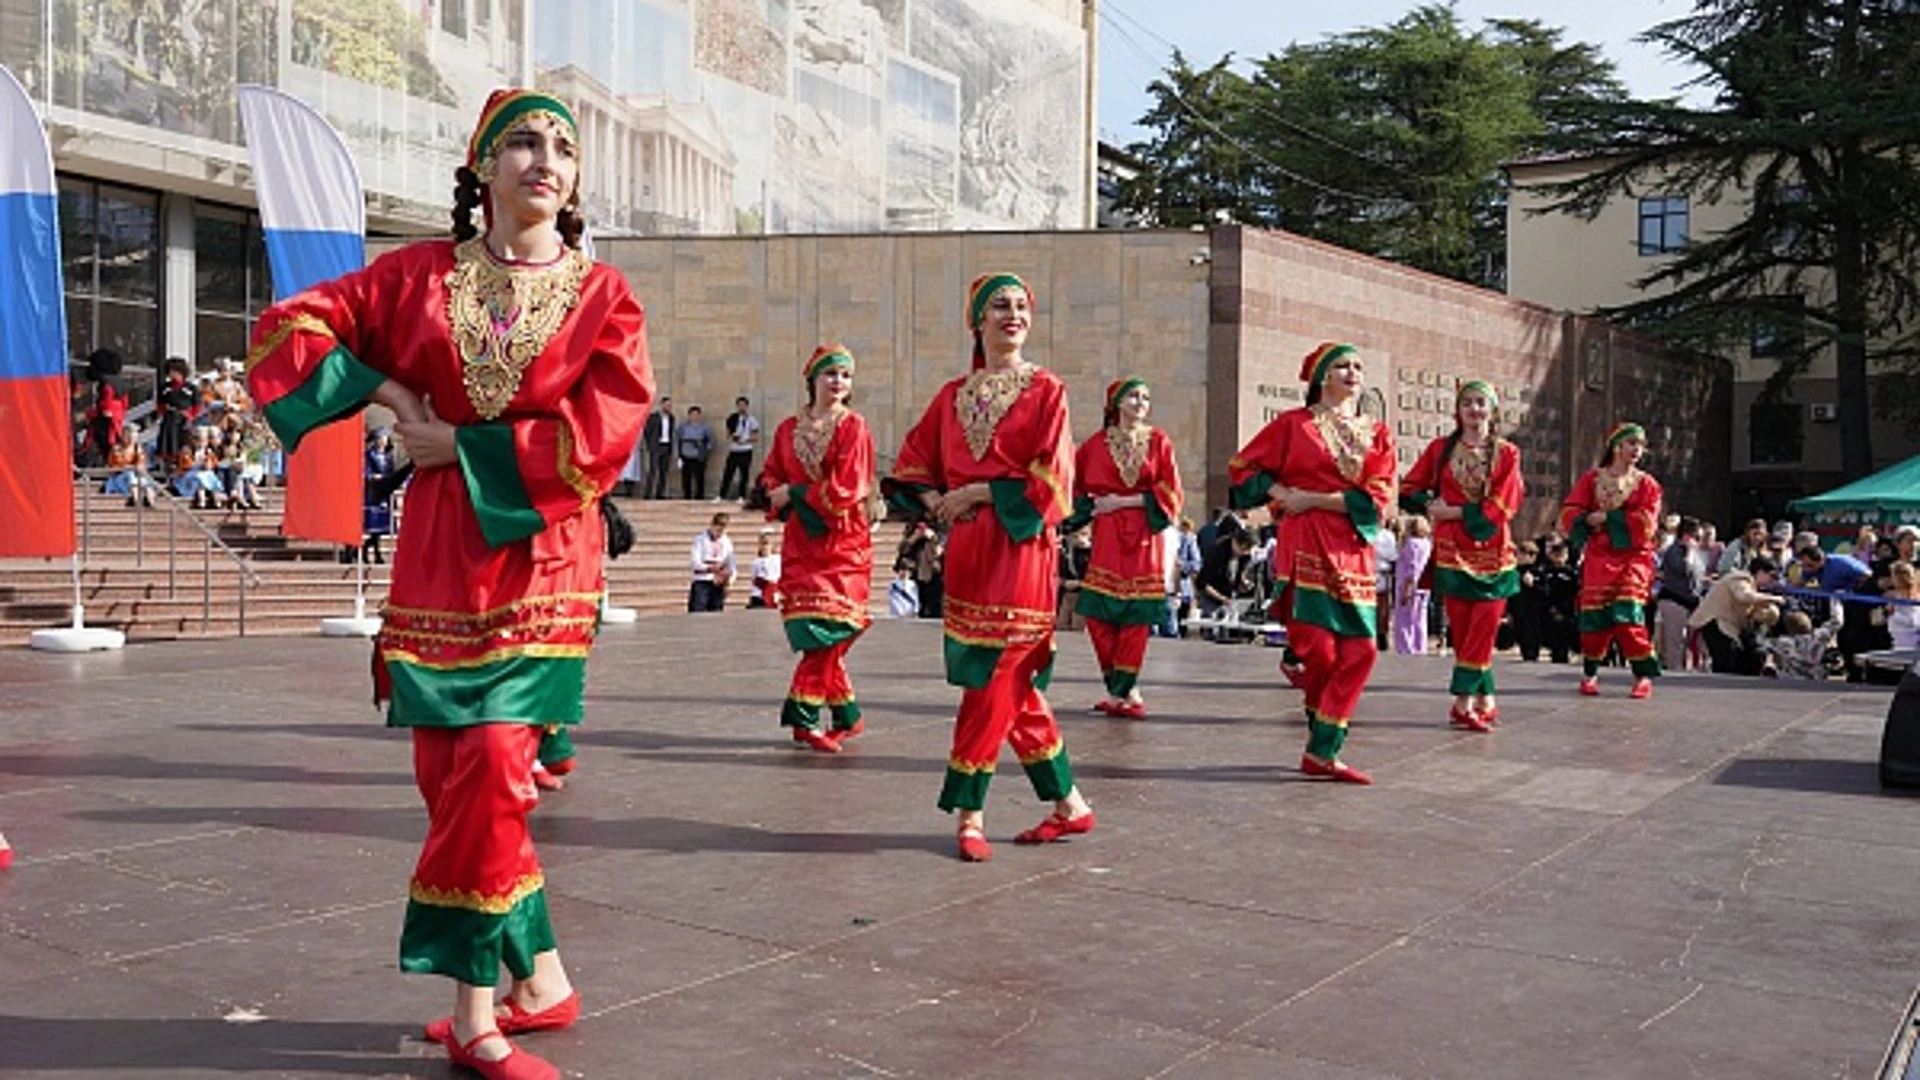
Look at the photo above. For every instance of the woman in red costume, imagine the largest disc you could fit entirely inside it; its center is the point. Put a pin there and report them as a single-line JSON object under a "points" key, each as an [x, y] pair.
{"points": [[1126, 484], [993, 460], [534, 358], [817, 478], [1469, 484], [1327, 473], [1614, 514]]}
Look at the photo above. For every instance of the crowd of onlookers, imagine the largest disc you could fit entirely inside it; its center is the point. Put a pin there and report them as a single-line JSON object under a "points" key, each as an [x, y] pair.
{"points": [[203, 439]]}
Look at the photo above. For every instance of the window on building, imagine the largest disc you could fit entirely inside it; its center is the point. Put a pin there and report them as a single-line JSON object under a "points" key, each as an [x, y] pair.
{"points": [[453, 17], [1778, 328], [1775, 433], [1663, 224], [1788, 232], [110, 256], [231, 286]]}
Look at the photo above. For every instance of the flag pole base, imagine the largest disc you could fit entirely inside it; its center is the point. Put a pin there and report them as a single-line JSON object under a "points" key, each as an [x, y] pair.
{"points": [[350, 626], [77, 639], [618, 616]]}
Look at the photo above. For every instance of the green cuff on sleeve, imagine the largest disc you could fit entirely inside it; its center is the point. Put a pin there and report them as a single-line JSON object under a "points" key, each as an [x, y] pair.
{"points": [[1617, 531], [1157, 517], [1082, 515], [1415, 501], [810, 518], [905, 497], [492, 471], [1015, 511], [1250, 492], [1478, 525], [338, 387], [1365, 515]]}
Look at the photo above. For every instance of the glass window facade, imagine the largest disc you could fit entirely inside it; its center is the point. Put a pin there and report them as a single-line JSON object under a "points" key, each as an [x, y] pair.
{"points": [[1663, 224], [231, 285], [110, 250]]}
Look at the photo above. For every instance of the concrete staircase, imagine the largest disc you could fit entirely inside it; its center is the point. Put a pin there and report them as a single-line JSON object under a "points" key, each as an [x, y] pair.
{"points": [[153, 575]]}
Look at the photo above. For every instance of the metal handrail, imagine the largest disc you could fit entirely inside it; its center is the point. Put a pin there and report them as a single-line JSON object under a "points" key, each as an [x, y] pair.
{"points": [[92, 478]]}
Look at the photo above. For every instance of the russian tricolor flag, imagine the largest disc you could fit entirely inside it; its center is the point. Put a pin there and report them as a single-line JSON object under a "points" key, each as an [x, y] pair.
{"points": [[315, 222], [36, 410]]}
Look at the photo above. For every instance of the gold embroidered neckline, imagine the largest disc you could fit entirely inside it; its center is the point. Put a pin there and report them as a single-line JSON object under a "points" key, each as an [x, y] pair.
{"points": [[812, 435], [1472, 467], [1348, 439], [1612, 492], [503, 316], [983, 402], [1129, 449]]}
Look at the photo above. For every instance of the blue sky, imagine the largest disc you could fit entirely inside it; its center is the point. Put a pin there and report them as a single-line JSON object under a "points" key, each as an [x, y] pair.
{"points": [[1207, 29]]}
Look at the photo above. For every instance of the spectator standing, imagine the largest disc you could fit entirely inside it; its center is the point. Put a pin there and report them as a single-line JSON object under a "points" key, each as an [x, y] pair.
{"points": [[930, 572], [1732, 614], [1560, 581], [1187, 562], [1903, 620], [175, 404], [743, 434], [1681, 586], [376, 502], [1752, 541], [1411, 596], [713, 566], [656, 441], [1844, 573], [696, 443]]}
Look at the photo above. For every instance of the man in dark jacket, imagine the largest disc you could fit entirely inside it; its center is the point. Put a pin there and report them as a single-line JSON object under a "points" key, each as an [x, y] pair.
{"points": [[656, 446]]}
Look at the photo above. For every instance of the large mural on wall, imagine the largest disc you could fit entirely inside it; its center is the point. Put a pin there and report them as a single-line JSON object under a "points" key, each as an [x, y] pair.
{"points": [[706, 116]]}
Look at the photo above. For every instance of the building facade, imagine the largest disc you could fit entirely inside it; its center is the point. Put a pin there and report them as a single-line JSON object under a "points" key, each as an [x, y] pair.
{"points": [[708, 117], [1779, 450]]}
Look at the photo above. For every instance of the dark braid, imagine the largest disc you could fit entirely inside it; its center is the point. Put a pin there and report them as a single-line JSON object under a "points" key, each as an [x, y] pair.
{"points": [[468, 194]]}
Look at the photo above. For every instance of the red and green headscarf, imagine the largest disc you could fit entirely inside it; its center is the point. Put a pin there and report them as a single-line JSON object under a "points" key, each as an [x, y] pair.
{"points": [[1622, 432], [824, 357], [1477, 386], [1117, 391], [979, 295], [506, 108], [1315, 365]]}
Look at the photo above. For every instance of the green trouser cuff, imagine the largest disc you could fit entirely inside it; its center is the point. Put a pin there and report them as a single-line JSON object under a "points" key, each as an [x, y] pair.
{"points": [[491, 467], [845, 714], [1015, 512], [1121, 683], [556, 746], [1250, 492], [1647, 667], [1052, 777], [1324, 740], [970, 666], [338, 386], [1589, 667], [799, 714], [1468, 680], [965, 790], [1043, 678], [469, 946]]}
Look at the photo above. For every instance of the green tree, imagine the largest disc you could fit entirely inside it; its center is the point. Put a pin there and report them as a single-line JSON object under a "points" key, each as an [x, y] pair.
{"points": [[1385, 140], [1815, 125]]}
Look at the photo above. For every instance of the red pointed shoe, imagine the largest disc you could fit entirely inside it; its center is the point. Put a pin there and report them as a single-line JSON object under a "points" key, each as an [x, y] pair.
{"points": [[556, 1017], [1338, 770], [973, 844], [841, 735], [809, 737], [1055, 827], [1642, 689], [6, 857], [1589, 687], [545, 780], [1104, 707], [1491, 717], [517, 1065], [1468, 720], [1129, 710], [563, 766]]}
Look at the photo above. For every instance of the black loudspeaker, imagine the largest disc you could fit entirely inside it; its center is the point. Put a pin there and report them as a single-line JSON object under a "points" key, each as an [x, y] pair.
{"points": [[1900, 740]]}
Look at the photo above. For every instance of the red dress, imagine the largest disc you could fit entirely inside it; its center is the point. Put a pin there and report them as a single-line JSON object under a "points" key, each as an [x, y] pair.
{"points": [[826, 556], [1124, 591], [1616, 563], [1007, 429], [1473, 559]]}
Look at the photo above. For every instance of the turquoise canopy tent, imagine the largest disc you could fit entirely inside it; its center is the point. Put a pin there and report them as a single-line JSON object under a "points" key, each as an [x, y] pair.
{"points": [[1887, 498]]}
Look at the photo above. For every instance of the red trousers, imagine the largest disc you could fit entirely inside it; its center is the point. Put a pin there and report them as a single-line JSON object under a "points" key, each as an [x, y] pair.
{"points": [[478, 897], [1009, 709], [1336, 672], [1635, 646], [820, 680], [1121, 650], [1475, 625]]}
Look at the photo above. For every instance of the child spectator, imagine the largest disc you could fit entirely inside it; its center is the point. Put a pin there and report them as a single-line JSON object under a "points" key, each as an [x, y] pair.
{"points": [[766, 575], [1800, 650]]}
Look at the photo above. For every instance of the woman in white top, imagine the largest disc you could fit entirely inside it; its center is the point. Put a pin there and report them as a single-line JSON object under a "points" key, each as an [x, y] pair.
{"points": [[1903, 620]]}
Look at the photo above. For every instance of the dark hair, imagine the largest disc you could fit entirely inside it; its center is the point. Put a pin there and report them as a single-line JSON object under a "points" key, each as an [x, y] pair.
{"points": [[177, 364], [1756, 522], [1813, 550], [1314, 393], [1689, 526], [691, 409], [1760, 564], [741, 401], [470, 194]]}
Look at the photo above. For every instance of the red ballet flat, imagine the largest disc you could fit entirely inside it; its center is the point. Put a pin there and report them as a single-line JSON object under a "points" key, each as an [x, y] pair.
{"points": [[826, 744], [973, 844], [1466, 719], [1104, 707], [517, 1065], [1056, 827], [1129, 710], [6, 857], [563, 766], [840, 735], [1642, 689], [1335, 770], [1590, 687], [545, 780], [1491, 716], [518, 1021]]}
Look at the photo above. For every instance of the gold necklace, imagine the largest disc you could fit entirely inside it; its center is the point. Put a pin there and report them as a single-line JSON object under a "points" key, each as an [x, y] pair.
{"points": [[1348, 437], [983, 402], [503, 316], [812, 435], [1129, 449]]}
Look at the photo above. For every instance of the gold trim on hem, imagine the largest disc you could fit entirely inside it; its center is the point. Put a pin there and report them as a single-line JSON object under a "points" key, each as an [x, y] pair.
{"points": [[472, 900]]}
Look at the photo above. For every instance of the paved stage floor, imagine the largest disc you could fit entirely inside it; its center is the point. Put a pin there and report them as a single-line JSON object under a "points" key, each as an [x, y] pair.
{"points": [[214, 841]]}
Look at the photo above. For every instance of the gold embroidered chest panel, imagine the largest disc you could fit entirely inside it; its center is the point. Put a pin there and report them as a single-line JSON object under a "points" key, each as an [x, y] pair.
{"points": [[1348, 439], [983, 401], [811, 437], [1472, 467], [1612, 492], [504, 316], [1129, 450]]}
